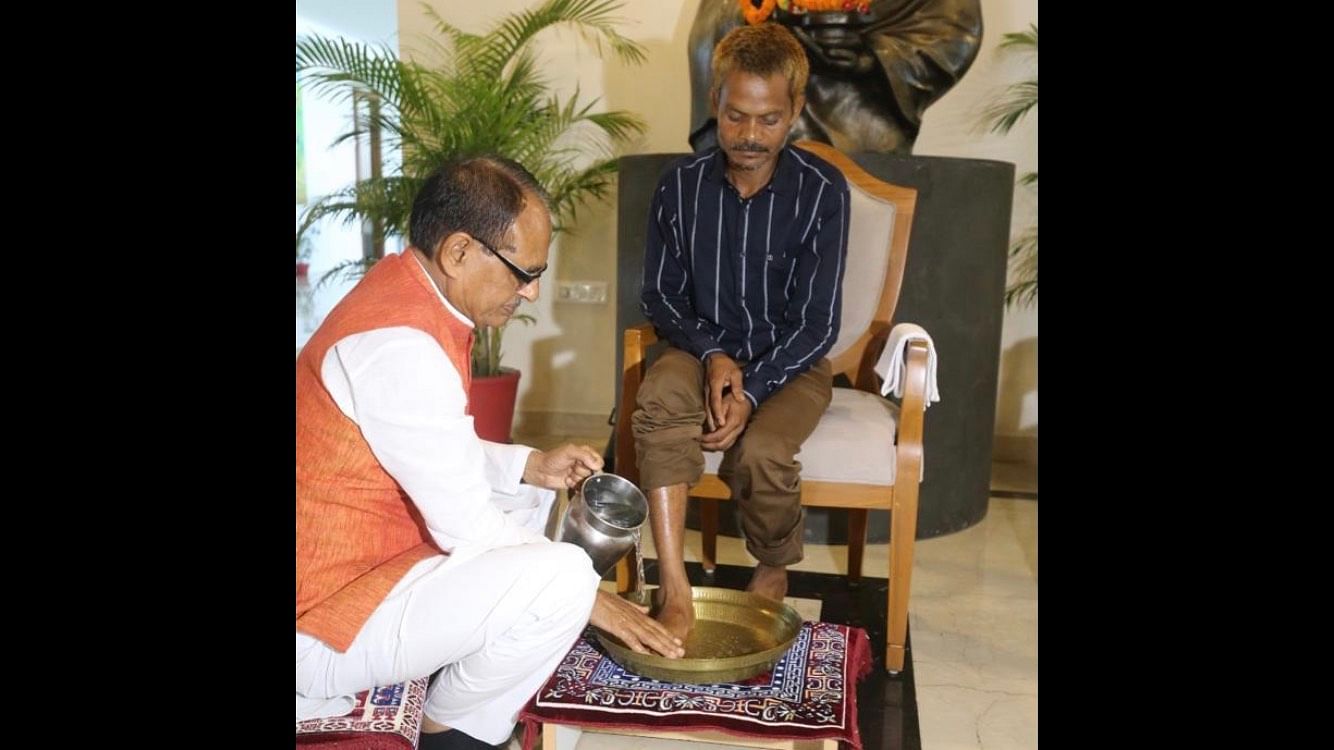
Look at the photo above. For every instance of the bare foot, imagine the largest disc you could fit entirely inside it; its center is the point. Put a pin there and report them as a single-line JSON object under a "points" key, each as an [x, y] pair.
{"points": [[677, 614], [769, 581]]}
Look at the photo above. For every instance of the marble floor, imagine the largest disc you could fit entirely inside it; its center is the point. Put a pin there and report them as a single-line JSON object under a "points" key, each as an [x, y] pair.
{"points": [[972, 626]]}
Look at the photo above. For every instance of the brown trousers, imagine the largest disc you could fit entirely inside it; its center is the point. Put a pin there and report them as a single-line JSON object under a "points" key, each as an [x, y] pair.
{"points": [[760, 468]]}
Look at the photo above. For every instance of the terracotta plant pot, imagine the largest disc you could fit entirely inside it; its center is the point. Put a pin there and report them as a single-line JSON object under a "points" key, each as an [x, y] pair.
{"points": [[491, 402]]}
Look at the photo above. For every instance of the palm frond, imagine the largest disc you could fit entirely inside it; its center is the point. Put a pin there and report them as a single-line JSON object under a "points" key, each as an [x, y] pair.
{"points": [[1006, 112], [594, 19], [387, 200], [1025, 39], [455, 34], [1025, 246], [1022, 293], [348, 270], [1018, 99], [336, 68], [1024, 270], [619, 124], [592, 183]]}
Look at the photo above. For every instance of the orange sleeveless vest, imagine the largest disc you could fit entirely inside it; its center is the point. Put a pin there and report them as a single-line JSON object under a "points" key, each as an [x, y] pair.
{"points": [[357, 532]]}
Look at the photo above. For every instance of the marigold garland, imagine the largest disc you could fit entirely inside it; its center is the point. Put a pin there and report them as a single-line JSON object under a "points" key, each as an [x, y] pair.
{"points": [[759, 14]]}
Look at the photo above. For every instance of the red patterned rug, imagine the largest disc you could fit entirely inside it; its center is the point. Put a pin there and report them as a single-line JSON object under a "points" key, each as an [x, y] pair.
{"points": [[386, 718], [810, 694]]}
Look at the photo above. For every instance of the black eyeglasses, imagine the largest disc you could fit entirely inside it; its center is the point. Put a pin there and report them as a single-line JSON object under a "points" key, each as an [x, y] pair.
{"points": [[525, 278]]}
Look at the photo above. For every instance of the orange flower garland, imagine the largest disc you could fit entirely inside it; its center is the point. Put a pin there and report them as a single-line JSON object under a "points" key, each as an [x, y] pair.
{"points": [[756, 15]]}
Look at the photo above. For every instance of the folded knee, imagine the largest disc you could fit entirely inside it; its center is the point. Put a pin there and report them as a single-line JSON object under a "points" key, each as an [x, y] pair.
{"points": [[570, 571], [765, 449]]}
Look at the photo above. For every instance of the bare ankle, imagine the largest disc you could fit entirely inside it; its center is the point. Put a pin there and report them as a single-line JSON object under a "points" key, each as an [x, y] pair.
{"points": [[674, 582], [769, 581], [676, 589], [676, 613]]}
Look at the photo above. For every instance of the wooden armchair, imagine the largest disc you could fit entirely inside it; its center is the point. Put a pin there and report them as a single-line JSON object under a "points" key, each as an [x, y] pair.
{"points": [[866, 452]]}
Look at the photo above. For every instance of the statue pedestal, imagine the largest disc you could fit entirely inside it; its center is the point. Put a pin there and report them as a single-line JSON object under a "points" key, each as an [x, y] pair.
{"points": [[954, 287]]}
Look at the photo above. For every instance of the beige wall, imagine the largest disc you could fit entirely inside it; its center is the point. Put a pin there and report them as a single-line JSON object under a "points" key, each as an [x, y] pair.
{"points": [[567, 356]]}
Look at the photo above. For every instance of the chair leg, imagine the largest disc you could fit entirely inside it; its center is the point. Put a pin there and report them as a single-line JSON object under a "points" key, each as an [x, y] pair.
{"points": [[895, 656], [902, 536], [708, 529], [856, 542]]}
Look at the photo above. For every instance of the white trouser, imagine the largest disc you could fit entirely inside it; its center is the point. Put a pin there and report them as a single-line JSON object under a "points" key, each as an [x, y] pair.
{"points": [[498, 623]]}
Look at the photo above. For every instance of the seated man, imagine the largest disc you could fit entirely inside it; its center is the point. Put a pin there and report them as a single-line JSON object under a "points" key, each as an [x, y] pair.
{"points": [[419, 546], [742, 275]]}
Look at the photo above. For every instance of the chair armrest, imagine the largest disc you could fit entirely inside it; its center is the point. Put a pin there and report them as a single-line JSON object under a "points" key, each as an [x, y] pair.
{"points": [[912, 413], [637, 340], [912, 410]]}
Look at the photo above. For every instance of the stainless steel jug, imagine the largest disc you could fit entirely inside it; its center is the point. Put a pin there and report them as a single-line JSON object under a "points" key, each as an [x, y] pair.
{"points": [[603, 518]]}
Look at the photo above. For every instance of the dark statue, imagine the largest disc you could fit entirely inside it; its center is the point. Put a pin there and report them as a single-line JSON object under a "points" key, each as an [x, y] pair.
{"points": [[874, 68]]}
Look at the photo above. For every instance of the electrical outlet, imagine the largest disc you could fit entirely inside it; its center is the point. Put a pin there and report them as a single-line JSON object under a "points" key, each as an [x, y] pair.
{"points": [[584, 292]]}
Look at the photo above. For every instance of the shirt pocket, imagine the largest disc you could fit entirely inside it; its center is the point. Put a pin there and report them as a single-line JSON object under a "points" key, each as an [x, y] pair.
{"points": [[779, 263], [778, 269]]}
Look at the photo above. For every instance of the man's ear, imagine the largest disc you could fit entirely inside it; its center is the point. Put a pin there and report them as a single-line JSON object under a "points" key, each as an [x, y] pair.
{"points": [[797, 106], [453, 253]]}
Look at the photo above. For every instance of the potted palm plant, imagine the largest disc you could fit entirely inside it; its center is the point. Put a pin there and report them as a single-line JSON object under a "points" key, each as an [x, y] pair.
{"points": [[1003, 114], [486, 95]]}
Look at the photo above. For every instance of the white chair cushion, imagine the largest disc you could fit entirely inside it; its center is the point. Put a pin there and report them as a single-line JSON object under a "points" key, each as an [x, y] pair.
{"points": [[854, 441]]}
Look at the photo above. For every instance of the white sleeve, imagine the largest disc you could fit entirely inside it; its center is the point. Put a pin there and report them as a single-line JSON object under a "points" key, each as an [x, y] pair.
{"points": [[400, 388], [504, 464]]}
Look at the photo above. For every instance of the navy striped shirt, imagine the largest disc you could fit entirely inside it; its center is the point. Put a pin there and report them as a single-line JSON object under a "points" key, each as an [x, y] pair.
{"points": [[757, 278]]}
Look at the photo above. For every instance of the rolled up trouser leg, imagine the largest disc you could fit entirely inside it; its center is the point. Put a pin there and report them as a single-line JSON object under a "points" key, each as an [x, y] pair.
{"points": [[669, 421], [762, 471]]}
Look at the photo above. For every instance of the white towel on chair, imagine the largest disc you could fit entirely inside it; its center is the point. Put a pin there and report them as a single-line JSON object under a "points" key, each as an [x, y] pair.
{"points": [[892, 366]]}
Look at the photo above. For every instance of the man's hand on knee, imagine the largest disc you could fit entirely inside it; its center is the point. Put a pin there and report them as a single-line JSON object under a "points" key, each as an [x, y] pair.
{"points": [[723, 375], [737, 415]]}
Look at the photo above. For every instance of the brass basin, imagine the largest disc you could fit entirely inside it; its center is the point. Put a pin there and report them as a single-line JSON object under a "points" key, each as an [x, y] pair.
{"points": [[737, 635]]}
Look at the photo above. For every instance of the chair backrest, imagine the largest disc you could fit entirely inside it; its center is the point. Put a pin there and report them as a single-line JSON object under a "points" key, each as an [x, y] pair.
{"points": [[878, 232]]}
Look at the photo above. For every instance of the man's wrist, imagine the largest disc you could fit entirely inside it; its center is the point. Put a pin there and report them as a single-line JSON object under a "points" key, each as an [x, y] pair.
{"points": [[530, 462], [754, 387]]}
